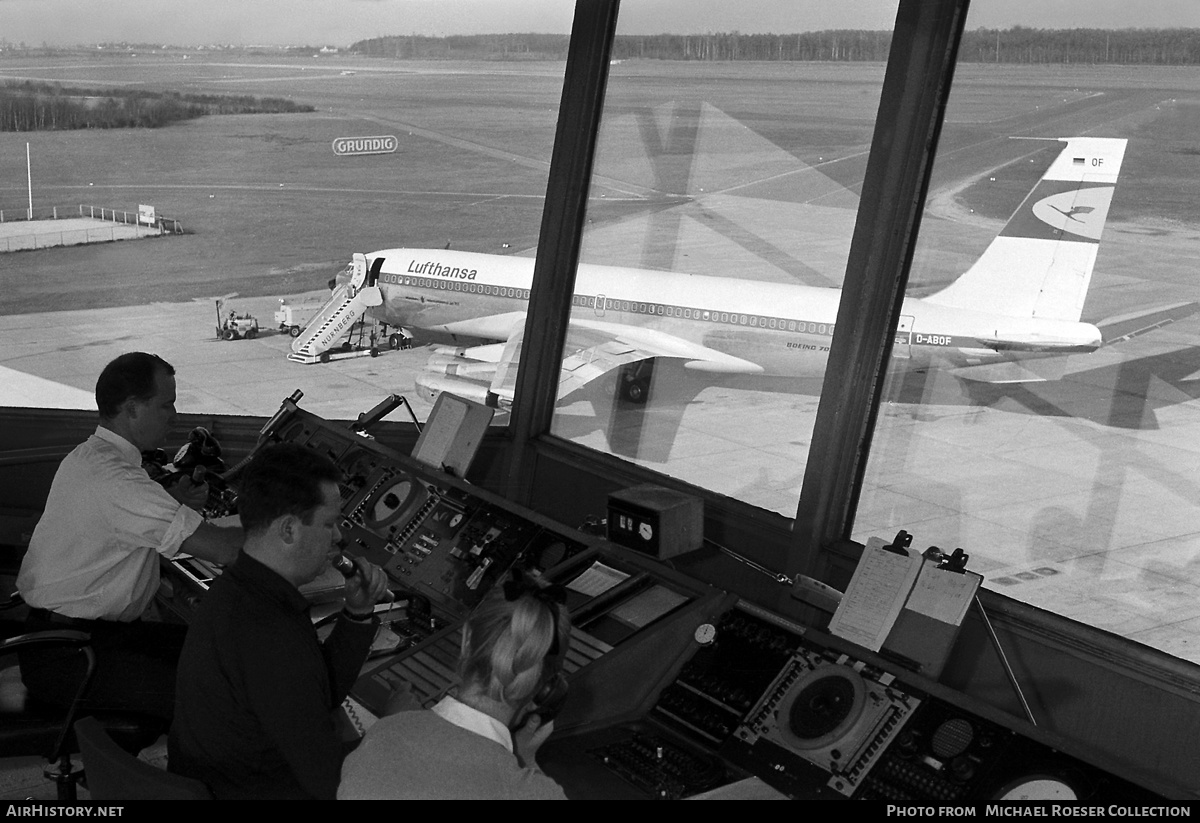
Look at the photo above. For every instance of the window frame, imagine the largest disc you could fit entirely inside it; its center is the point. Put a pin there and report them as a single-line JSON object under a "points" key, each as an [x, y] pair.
{"points": [[912, 105]]}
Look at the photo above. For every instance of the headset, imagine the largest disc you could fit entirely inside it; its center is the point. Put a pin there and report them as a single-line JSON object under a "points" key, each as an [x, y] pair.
{"points": [[552, 691]]}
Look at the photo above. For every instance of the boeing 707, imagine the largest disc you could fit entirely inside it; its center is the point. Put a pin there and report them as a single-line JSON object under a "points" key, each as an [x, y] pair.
{"points": [[1023, 298]]}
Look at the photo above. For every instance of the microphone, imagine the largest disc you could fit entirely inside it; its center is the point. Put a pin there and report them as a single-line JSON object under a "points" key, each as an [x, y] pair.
{"points": [[345, 565], [349, 568]]}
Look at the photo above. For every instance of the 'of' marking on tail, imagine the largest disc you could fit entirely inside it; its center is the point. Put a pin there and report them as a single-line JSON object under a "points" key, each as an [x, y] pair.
{"points": [[1040, 265]]}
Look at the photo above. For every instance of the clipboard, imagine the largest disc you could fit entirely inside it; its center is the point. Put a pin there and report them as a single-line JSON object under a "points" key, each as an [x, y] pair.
{"points": [[905, 605], [929, 621], [877, 592]]}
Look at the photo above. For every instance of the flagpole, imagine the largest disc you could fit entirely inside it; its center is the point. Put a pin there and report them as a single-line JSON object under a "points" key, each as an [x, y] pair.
{"points": [[29, 175]]}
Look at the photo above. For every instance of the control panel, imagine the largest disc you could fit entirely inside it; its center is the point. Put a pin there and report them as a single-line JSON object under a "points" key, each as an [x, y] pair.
{"points": [[614, 598], [947, 755], [432, 533], [736, 660], [442, 542], [826, 710], [763, 698]]}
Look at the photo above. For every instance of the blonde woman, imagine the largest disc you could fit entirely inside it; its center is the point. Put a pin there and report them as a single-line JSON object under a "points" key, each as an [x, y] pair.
{"points": [[479, 744]]}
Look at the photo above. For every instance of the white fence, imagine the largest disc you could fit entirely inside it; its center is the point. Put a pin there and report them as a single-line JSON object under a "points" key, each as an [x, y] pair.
{"points": [[75, 237], [123, 225]]}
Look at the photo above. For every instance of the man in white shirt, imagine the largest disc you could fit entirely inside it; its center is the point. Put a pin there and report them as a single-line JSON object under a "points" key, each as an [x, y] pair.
{"points": [[93, 560]]}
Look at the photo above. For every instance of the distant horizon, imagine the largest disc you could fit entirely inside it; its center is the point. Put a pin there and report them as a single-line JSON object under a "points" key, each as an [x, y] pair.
{"points": [[8, 44], [67, 23]]}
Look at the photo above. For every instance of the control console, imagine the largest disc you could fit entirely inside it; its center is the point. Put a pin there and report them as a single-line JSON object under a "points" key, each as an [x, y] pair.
{"points": [[442, 542], [761, 697]]}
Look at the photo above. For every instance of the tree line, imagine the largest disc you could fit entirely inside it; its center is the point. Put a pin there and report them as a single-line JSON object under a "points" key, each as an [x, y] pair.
{"points": [[466, 47], [1019, 44], [31, 106]]}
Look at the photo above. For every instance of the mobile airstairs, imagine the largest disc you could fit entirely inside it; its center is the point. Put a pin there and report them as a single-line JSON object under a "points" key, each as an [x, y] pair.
{"points": [[331, 333]]}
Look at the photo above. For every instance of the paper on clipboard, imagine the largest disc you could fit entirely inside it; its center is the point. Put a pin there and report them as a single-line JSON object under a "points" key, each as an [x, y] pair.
{"points": [[943, 594], [876, 594]]}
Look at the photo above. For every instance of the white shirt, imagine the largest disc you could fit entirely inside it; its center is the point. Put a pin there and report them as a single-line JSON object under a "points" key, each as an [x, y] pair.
{"points": [[94, 553], [473, 720]]}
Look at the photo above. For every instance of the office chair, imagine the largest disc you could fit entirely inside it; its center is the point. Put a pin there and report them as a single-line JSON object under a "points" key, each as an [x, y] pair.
{"points": [[14, 623], [41, 730], [115, 774]]}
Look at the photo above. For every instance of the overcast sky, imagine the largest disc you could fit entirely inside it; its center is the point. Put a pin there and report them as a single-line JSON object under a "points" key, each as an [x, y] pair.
{"points": [[341, 22]]}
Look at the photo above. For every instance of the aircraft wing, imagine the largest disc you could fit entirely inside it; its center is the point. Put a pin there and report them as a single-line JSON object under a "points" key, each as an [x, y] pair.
{"points": [[595, 348], [592, 350], [654, 343], [1006, 372], [584, 360]]}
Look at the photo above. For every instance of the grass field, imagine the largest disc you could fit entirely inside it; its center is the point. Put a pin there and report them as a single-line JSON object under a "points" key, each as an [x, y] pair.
{"points": [[268, 206]]}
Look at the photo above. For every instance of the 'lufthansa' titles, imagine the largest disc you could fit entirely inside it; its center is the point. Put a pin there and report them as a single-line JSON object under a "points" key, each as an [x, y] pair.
{"points": [[431, 268]]}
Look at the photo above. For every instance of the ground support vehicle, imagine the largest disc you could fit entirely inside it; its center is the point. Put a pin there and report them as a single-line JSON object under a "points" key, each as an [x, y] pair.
{"points": [[234, 326], [291, 318]]}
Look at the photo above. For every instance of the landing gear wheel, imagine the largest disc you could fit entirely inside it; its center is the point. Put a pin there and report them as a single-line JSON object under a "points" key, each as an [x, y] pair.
{"points": [[395, 342], [636, 391]]}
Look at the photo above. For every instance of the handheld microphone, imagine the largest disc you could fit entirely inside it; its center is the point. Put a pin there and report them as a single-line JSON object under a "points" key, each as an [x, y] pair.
{"points": [[349, 568], [345, 565]]}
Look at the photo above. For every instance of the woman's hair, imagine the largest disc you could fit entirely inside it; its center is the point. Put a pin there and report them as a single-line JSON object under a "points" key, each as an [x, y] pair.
{"points": [[505, 641]]}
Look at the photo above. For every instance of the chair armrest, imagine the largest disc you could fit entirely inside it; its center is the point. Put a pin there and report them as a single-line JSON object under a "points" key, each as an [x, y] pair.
{"points": [[46, 639]]}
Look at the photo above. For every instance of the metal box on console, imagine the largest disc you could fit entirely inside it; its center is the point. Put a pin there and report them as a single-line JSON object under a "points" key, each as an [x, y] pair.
{"points": [[656, 521]]}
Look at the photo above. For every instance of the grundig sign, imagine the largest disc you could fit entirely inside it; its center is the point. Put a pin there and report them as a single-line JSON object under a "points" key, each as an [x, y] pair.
{"points": [[346, 146]]}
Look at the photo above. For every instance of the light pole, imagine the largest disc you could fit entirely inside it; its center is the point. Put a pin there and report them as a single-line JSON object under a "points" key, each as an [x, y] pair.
{"points": [[29, 177]]}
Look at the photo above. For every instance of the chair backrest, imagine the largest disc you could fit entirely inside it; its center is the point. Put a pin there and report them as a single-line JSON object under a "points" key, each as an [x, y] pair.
{"points": [[114, 774], [44, 731]]}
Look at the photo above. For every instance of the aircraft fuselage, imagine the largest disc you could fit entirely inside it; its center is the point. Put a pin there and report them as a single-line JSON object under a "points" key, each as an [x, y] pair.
{"points": [[782, 329]]}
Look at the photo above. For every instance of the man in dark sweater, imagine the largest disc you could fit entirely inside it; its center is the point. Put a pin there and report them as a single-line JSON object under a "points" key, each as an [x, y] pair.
{"points": [[256, 688]]}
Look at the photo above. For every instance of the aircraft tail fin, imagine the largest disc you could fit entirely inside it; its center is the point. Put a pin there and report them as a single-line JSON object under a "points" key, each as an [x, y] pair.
{"points": [[1040, 265]]}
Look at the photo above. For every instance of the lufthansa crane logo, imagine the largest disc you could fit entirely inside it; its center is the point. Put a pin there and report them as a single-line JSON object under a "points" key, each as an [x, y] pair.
{"points": [[1080, 211], [350, 146]]}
